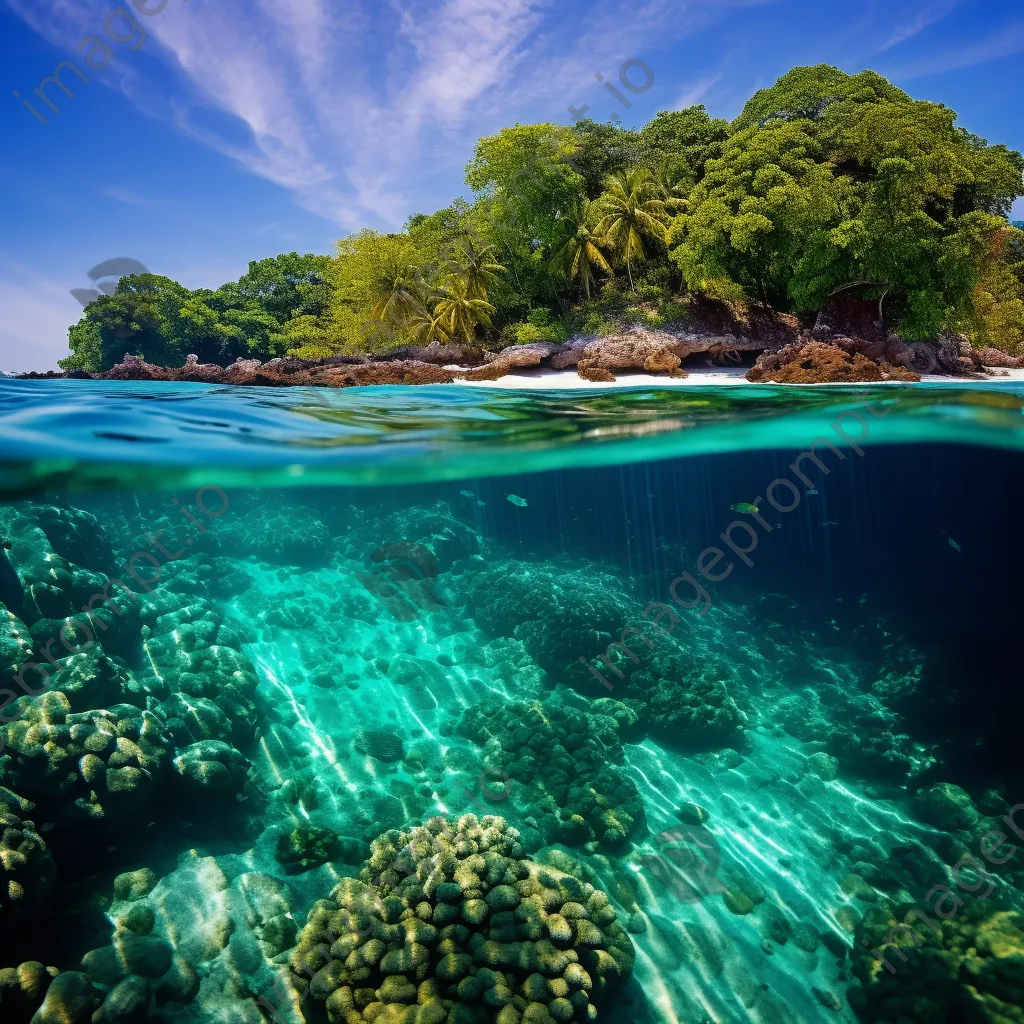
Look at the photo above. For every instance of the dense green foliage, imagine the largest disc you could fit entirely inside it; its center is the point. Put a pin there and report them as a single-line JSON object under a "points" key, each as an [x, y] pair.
{"points": [[279, 305], [826, 184]]}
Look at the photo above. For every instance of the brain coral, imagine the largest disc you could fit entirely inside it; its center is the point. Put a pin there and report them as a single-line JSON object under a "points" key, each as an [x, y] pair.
{"points": [[969, 967], [561, 754], [26, 867], [560, 614], [449, 923]]}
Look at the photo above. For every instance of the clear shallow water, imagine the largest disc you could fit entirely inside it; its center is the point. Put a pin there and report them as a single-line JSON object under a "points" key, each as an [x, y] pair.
{"points": [[334, 622], [82, 434]]}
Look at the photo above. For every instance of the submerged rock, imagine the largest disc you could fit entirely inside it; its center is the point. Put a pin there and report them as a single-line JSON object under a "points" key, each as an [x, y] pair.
{"points": [[70, 999], [305, 847]]}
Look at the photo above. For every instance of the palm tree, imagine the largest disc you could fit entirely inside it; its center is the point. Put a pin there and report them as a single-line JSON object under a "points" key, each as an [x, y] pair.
{"points": [[458, 311], [580, 255], [402, 297], [633, 209], [426, 327], [477, 266]]}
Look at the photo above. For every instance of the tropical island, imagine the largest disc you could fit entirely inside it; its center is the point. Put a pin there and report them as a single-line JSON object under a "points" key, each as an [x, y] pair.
{"points": [[837, 229]]}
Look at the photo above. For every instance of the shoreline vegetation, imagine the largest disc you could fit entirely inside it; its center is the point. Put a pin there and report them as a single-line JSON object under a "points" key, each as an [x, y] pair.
{"points": [[836, 230]]}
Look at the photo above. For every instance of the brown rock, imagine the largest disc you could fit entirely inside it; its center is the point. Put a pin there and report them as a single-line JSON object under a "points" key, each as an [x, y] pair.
{"points": [[994, 357], [817, 362], [596, 374]]}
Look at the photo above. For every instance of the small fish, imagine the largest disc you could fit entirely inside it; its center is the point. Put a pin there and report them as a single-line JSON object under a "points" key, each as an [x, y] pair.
{"points": [[953, 544], [111, 849], [186, 824], [481, 503], [830, 523], [516, 500], [8, 545], [467, 494], [48, 827], [812, 491], [151, 824], [241, 797], [745, 507]]}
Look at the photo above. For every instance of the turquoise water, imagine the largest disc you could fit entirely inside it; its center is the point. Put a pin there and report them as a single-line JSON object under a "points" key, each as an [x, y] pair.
{"points": [[451, 704]]}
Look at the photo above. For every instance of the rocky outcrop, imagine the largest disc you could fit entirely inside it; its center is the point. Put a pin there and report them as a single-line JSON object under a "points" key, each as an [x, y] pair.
{"points": [[286, 372], [993, 357], [808, 361], [513, 357]]}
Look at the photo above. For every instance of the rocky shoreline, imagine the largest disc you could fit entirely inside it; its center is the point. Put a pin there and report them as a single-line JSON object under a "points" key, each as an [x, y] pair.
{"points": [[783, 355]]}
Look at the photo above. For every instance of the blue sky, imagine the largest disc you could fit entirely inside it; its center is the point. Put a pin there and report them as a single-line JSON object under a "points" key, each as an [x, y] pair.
{"points": [[237, 129]]}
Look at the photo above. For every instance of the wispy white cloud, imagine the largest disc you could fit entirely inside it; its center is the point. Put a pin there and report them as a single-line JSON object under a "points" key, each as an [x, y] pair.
{"points": [[1007, 42], [357, 107], [123, 195], [696, 91], [929, 15]]}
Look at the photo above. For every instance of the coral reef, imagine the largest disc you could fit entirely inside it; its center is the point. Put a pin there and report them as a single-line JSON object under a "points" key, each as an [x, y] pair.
{"points": [[866, 737], [305, 847], [449, 923], [561, 755], [284, 535], [22, 989], [83, 766], [559, 613], [682, 698], [969, 967], [26, 866]]}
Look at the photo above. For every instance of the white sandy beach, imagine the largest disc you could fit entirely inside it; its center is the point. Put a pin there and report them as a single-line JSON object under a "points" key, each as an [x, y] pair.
{"points": [[542, 378]]}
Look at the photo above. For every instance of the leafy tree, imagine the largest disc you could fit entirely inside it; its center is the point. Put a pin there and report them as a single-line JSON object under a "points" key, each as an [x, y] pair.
{"points": [[288, 285], [600, 150], [304, 336], [819, 94], [135, 319], [86, 343], [833, 182], [997, 308], [678, 144], [527, 173], [376, 287], [632, 209]]}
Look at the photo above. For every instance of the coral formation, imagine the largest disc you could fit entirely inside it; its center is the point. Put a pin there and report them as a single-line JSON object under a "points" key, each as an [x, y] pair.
{"points": [[284, 535], [83, 766], [22, 989], [557, 612], [305, 847], [26, 866], [562, 756], [692, 700], [449, 923], [965, 968]]}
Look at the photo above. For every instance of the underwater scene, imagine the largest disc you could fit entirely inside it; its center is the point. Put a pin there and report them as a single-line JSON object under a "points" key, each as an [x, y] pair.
{"points": [[455, 705]]}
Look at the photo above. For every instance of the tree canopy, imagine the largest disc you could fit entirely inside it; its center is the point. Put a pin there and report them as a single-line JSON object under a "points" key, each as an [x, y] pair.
{"points": [[826, 184]]}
